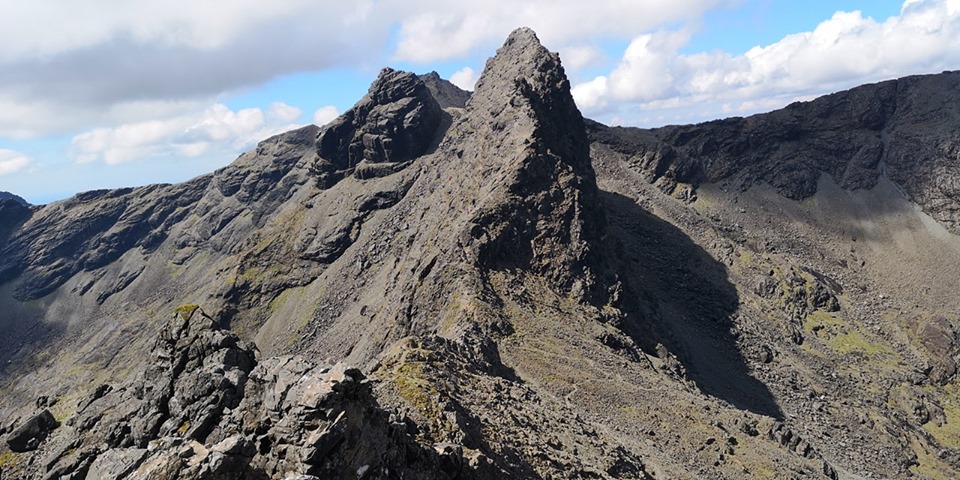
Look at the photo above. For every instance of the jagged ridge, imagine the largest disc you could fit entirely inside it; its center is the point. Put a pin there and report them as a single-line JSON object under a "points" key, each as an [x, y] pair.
{"points": [[903, 129]]}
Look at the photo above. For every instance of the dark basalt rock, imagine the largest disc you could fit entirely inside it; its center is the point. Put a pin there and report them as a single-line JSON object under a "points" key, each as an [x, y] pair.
{"points": [[206, 409], [447, 94], [526, 118], [395, 122], [12, 215], [91, 230], [899, 128], [28, 436]]}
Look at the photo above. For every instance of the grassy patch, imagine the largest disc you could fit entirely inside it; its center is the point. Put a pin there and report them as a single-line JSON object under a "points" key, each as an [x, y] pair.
{"points": [[278, 302], [65, 407], [819, 320], [948, 434], [414, 387], [840, 336], [853, 341], [183, 428], [8, 460], [186, 311], [928, 465]]}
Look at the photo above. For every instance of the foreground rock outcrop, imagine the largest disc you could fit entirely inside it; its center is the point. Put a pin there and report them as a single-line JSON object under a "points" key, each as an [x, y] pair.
{"points": [[207, 409]]}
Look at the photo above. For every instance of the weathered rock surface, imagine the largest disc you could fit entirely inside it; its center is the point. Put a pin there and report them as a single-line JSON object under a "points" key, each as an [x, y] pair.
{"points": [[91, 231], [447, 94], [206, 409], [35, 430], [548, 214], [902, 129], [393, 124]]}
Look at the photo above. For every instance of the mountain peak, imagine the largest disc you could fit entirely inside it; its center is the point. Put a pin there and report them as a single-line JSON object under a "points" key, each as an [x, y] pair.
{"points": [[525, 75], [446, 93], [523, 37], [393, 124], [521, 56], [525, 118]]}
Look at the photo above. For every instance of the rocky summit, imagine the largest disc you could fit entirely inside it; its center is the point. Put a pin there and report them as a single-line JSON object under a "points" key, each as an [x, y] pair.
{"points": [[445, 284]]}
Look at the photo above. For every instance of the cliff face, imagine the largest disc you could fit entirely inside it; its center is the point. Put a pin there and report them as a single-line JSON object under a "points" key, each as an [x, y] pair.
{"points": [[443, 284], [903, 130]]}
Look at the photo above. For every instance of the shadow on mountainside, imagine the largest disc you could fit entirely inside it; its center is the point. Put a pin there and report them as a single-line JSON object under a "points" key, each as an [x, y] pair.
{"points": [[680, 297]]}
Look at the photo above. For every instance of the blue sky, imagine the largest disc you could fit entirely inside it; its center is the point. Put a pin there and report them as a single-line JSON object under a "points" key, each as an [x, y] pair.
{"points": [[101, 95]]}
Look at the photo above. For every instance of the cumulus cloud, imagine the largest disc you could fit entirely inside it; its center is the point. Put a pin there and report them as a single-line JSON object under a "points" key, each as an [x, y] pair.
{"points": [[841, 52], [440, 30], [215, 129], [325, 115], [96, 55], [12, 162], [96, 61], [465, 78], [581, 56], [592, 96]]}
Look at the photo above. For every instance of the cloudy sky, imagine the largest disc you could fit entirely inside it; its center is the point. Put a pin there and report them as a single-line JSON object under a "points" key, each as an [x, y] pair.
{"points": [[111, 93]]}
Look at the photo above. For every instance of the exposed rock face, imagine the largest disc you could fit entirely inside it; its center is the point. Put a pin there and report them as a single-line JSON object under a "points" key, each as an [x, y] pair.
{"points": [[12, 214], [902, 129], [91, 231], [393, 124], [521, 297], [28, 436], [941, 338], [525, 118], [206, 409], [447, 94]]}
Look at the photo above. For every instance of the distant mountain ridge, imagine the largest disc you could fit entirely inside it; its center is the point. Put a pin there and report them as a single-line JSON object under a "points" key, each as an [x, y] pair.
{"points": [[16, 198], [903, 129]]}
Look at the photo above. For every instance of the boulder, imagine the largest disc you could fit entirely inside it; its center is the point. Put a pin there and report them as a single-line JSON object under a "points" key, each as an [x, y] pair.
{"points": [[28, 436]]}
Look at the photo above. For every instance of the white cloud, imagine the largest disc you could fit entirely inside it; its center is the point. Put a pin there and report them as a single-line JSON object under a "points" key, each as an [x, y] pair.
{"points": [[440, 30], [206, 25], [283, 113], [12, 162], [581, 56], [325, 115], [465, 78], [215, 129], [649, 57], [92, 59], [591, 96], [843, 51]]}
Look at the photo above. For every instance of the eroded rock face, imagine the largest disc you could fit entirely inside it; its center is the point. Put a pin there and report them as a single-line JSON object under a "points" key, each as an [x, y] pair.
{"points": [[91, 231], [446, 93], [16, 198], [393, 124], [526, 122], [12, 214], [903, 129], [206, 409], [199, 371], [941, 339]]}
